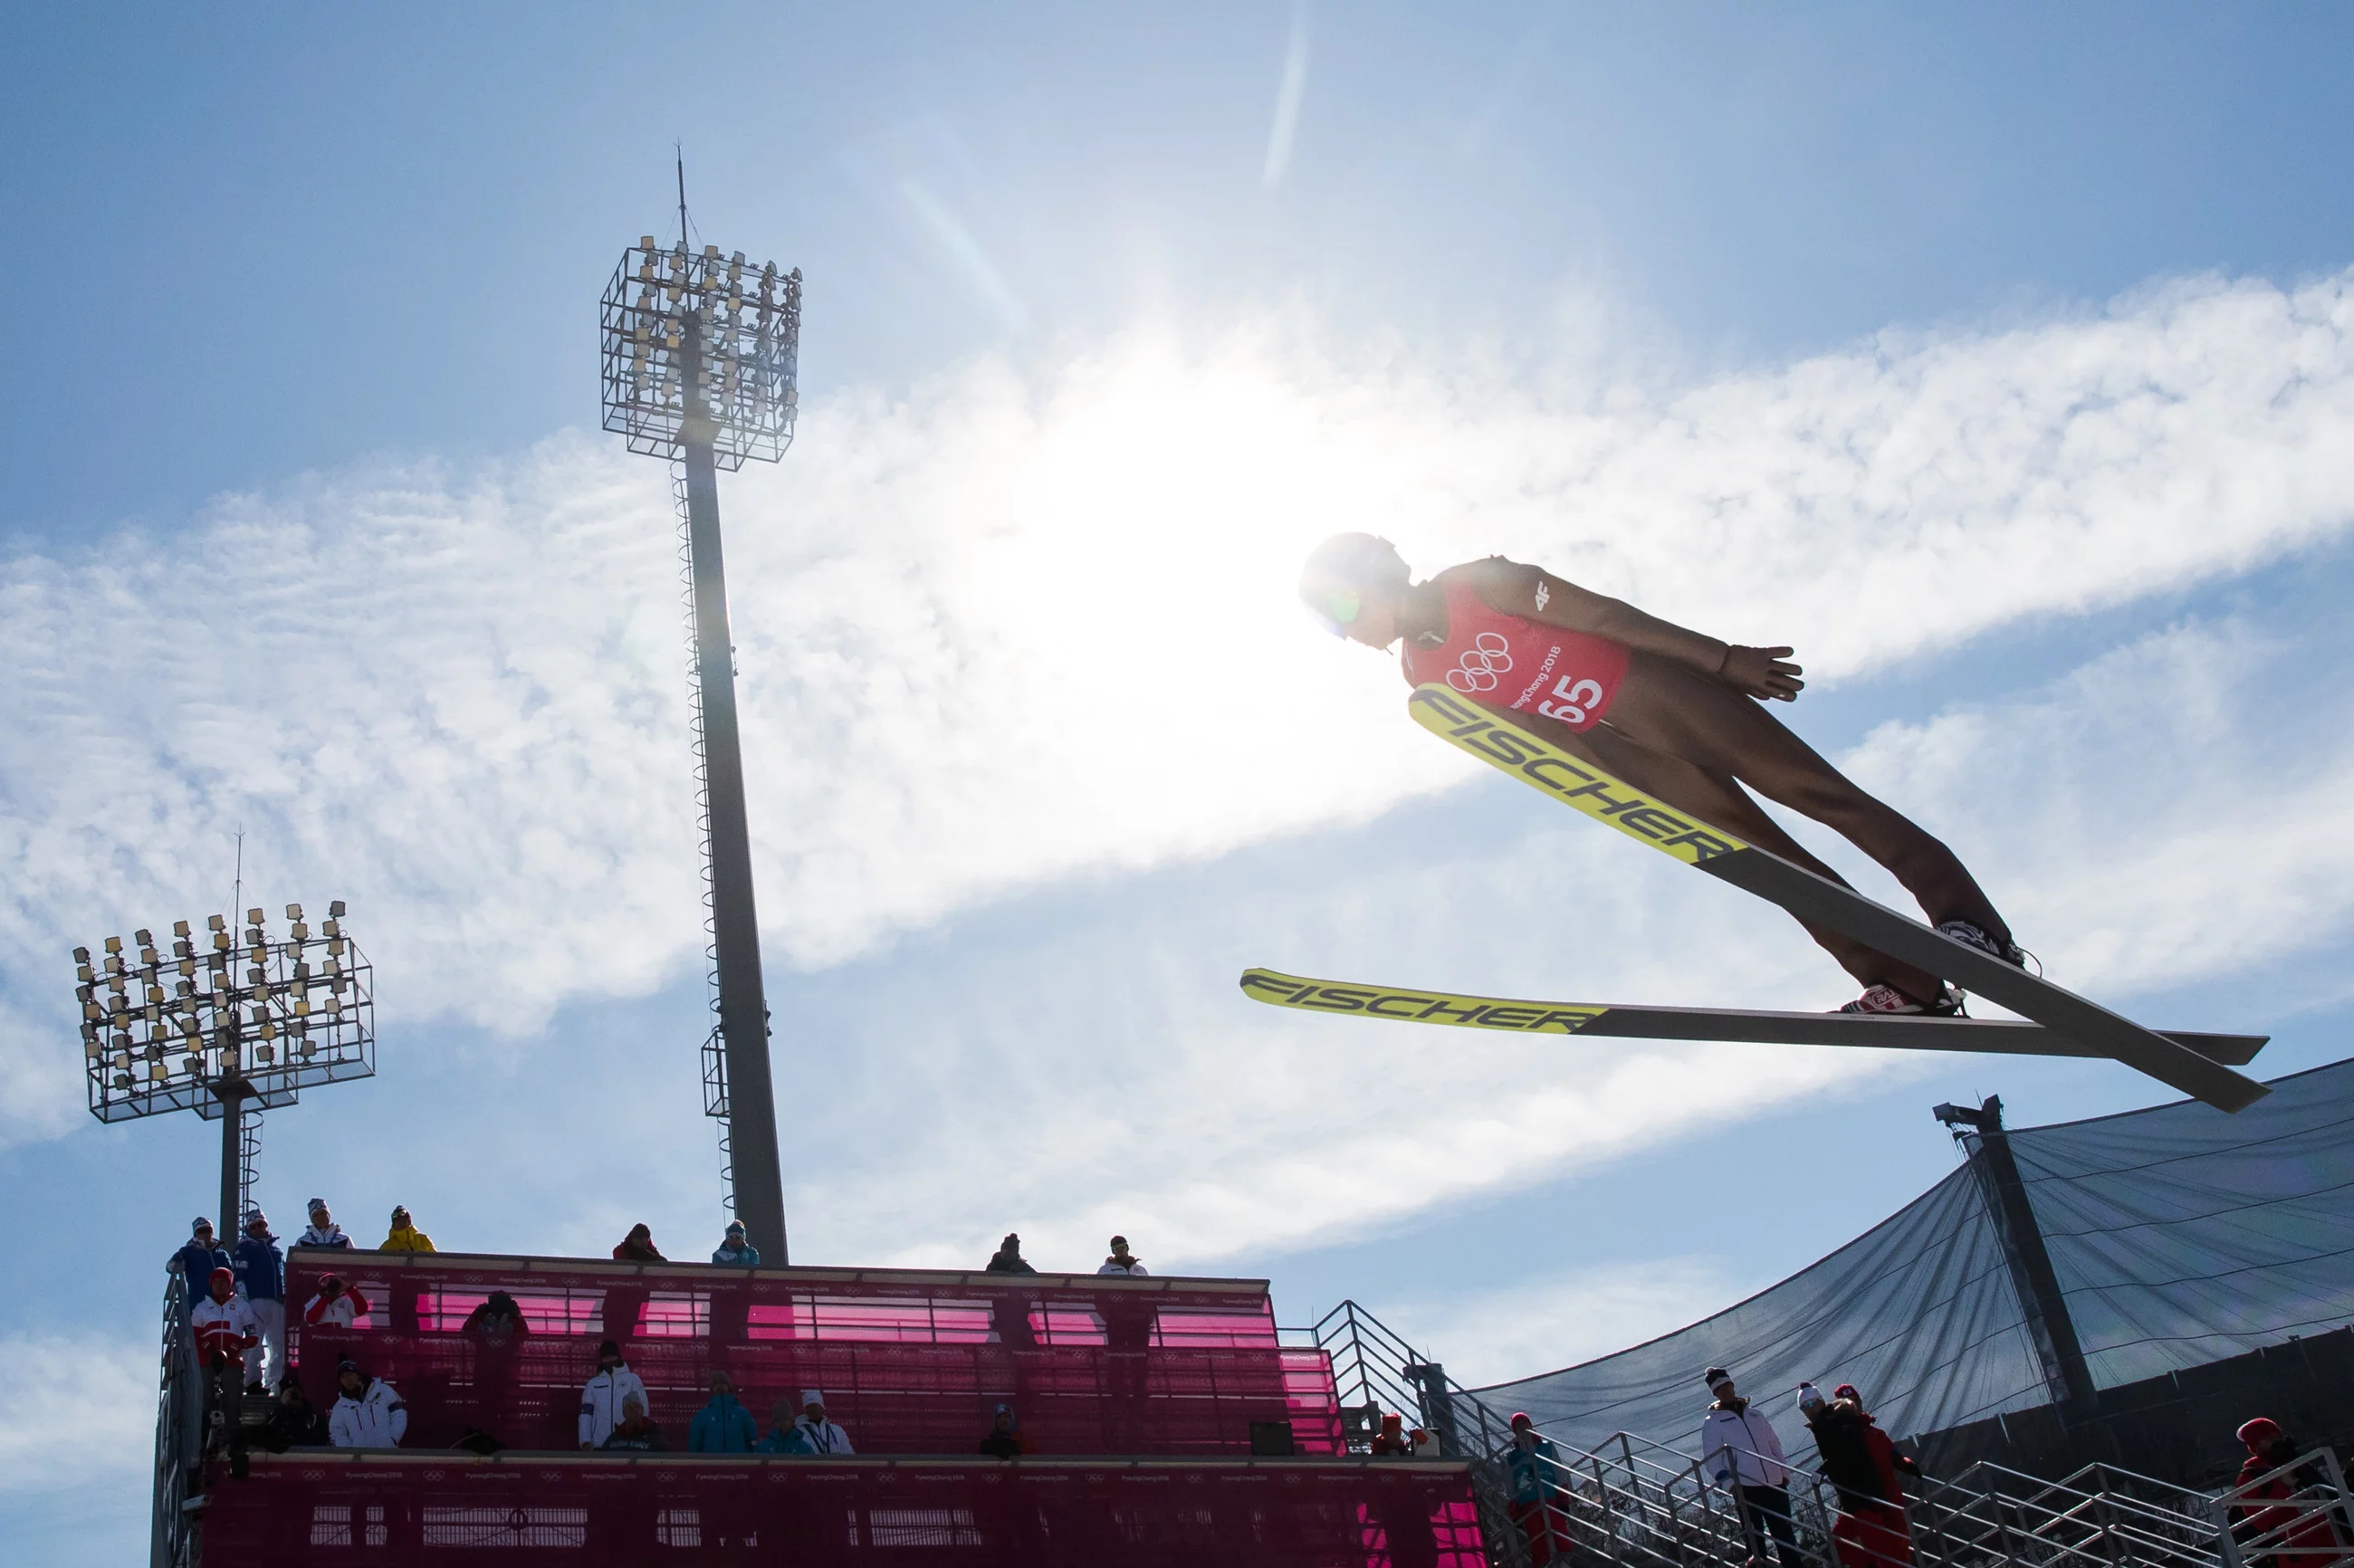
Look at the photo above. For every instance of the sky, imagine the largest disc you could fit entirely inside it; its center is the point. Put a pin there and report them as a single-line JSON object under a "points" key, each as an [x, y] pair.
{"points": [[1998, 359]]}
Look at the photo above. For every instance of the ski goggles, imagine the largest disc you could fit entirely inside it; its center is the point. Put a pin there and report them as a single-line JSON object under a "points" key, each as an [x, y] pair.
{"points": [[1336, 611]]}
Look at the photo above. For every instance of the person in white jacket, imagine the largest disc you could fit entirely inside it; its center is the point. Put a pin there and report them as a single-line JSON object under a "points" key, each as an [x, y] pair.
{"points": [[368, 1415], [602, 1396], [1121, 1260], [823, 1437], [1738, 1446]]}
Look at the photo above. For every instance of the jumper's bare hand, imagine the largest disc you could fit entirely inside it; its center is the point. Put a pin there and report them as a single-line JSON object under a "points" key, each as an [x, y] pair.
{"points": [[1761, 672]]}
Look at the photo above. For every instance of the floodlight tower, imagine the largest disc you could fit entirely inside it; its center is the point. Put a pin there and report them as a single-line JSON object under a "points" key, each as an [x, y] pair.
{"points": [[699, 358], [225, 1044]]}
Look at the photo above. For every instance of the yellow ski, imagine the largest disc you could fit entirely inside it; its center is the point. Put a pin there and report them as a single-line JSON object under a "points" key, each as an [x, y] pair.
{"points": [[1580, 784], [1405, 1004]]}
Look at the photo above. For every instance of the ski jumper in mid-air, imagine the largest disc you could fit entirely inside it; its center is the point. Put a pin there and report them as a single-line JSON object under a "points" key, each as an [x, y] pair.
{"points": [[1670, 711]]}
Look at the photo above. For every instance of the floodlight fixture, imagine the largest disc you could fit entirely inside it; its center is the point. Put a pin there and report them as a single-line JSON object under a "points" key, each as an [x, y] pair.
{"points": [[212, 1045], [699, 360], [698, 347]]}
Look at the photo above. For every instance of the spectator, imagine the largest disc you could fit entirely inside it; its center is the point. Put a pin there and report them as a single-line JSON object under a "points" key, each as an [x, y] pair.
{"points": [[603, 1395], [2283, 1535], [197, 1260], [498, 1321], [223, 1327], [1391, 1442], [1010, 1318], [1004, 1439], [474, 1440], [635, 1432], [1006, 1259], [784, 1432], [1739, 1448], [722, 1426], [734, 1252], [322, 1230], [624, 1303], [1121, 1260], [821, 1435], [638, 1246], [261, 1279], [1862, 1465], [1128, 1319], [498, 1330], [368, 1414], [334, 1305], [405, 1236], [294, 1422], [1534, 1467]]}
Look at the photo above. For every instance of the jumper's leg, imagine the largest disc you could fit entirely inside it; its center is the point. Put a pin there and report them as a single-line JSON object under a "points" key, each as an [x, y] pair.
{"points": [[1668, 707], [1718, 801]]}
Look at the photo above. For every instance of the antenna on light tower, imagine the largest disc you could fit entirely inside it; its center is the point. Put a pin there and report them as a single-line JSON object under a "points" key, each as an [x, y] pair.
{"points": [[699, 358]]}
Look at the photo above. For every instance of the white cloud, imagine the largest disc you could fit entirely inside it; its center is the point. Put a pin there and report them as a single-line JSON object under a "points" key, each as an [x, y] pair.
{"points": [[1111, 1079], [1114, 1078], [1004, 631], [1288, 94], [458, 703], [2175, 810], [82, 1413]]}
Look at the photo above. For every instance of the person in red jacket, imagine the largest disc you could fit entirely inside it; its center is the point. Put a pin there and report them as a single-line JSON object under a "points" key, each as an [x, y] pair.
{"points": [[1673, 713], [638, 1246], [224, 1328], [625, 1303], [334, 1303], [2286, 1535], [1862, 1467], [223, 1325]]}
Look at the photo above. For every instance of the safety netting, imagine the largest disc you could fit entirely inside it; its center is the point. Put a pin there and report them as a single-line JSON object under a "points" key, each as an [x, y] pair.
{"points": [[2180, 1235], [330, 1508]]}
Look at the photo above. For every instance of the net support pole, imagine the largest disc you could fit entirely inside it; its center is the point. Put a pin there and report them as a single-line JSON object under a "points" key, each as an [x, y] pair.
{"points": [[735, 928], [2049, 1326], [1437, 1402]]}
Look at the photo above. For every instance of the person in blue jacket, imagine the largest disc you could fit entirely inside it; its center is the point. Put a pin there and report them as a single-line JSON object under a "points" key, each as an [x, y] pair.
{"points": [[734, 1252], [261, 1273], [722, 1426], [197, 1261], [1534, 1469], [784, 1436]]}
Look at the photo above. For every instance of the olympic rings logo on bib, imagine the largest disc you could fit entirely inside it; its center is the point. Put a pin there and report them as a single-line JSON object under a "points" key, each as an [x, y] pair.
{"points": [[1487, 657]]}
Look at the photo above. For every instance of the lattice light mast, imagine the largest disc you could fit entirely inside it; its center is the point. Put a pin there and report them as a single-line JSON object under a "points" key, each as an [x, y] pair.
{"points": [[226, 1032], [699, 357]]}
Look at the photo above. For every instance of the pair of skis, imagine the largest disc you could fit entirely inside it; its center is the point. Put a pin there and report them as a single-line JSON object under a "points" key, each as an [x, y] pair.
{"points": [[2064, 1024]]}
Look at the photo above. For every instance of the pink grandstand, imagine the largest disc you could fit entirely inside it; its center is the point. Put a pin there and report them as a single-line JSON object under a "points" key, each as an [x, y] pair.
{"points": [[1168, 1424]]}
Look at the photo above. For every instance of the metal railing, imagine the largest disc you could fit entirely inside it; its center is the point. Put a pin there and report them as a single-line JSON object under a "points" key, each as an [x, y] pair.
{"points": [[2295, 1516], [1373, 1370], [1632, 1503], [179, 1436]]}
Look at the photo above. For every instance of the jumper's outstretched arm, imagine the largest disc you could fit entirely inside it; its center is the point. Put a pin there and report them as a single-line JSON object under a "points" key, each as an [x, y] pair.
{"points": [[1537, 595]]}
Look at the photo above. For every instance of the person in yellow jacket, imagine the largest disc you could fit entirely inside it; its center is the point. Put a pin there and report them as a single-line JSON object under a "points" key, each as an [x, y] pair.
{"points": [[405, 1236]]}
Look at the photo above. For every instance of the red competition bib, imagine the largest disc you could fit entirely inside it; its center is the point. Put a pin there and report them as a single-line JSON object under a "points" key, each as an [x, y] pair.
{"points": [[1516, 666]]}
